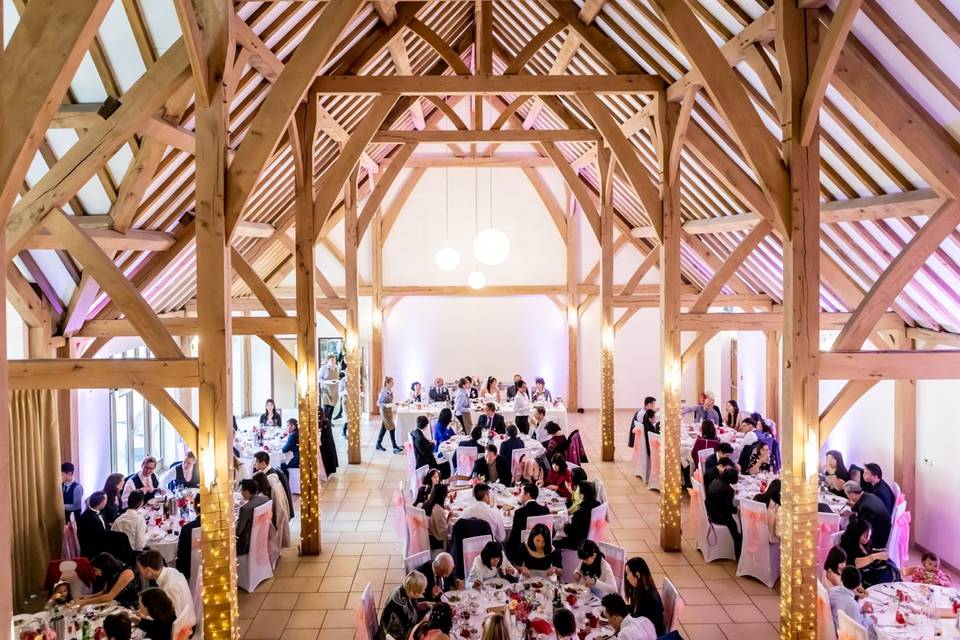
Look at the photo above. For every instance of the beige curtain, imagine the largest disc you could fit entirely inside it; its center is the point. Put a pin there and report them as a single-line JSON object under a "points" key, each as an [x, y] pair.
{"points": [[35, 487]]}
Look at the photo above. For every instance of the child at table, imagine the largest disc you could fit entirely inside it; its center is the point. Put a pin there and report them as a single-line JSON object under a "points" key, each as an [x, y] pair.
{"points": [[490, 564], [929, 572], [60, 595]]}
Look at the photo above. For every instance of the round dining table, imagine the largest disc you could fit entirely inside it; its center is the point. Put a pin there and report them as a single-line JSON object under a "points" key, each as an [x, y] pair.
{"points": [[507, 500], [471, 607], [913, 601], [405, 414], [67, 621]]}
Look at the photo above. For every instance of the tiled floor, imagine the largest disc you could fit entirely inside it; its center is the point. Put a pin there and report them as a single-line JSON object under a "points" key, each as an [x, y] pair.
{"points": [[313, 598]]}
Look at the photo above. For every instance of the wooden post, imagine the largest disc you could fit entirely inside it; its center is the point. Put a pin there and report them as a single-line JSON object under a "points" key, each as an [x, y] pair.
{"points": [[905, 430], [307, 382], [772, 379], [376, 357], [247, 373], [573, 314], [607, 336], [671, 354], [218, 537], [352, 340], [6, 458], [796, 45]]}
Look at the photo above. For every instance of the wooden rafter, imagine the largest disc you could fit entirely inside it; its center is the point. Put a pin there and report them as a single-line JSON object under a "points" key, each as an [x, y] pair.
{"points": [[109, 373]]}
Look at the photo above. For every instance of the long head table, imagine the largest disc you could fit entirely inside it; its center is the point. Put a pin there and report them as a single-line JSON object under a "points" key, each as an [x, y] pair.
{"points": [[405, 415]]}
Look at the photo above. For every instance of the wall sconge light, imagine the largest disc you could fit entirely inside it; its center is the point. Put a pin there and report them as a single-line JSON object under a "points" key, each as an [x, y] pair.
{"points": [[811, 458], [607, 338], [209, 463]]}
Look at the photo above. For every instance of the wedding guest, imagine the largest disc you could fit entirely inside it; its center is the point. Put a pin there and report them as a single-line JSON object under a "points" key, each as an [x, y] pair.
{"points": [[760, 460], [874, 483], [521, 408], [156, 615], [512, 389], [928, 572], [649, 403], [484, 509], [438, 392], [491, 391], [476, 433], [261, 462], [271, 415], [72, 492], [184, 474], [720, 505], [708, 440], [833, 566], [871, 509], [641, 593], [439, 575], [423, 448], [492, 467], [437, 523], [578, 478], [529, 508], [626, 626], [579, 526], [733, 416], [91, 526], [540, 392], [844, 598], [564, 623], [461, 405], [436, 626], [558, 443], [292, 445], [131, 522], [722, 454], [423, 491], [442, 431], [329, 386], [473, 388], [400, 612], [835, 471], [173, 583], [385, 403], [117, 626], [706, 410], [113, 580], [59, 596], [771, 498], [512, 443], [594, 570], [874, 566], [416, 393], [490, 419], [113, 488], [490, 564], [495, 628], [649, 426], [185, 541], [559, 478], [538, 422], [145, 480], [537, 557], [252, 500]]}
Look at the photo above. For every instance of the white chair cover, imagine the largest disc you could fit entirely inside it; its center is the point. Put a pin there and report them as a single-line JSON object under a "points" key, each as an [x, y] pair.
{"points": [[195, 577], [848, 629], [653, 482], [569, 563], [255, 567], [472, 548], [760, 559], [281, 518], [895, 487], [672, 606], [617, 557], [598, 523], [412, 562], [71, 545], [515, 470], [68, 573], [714, 542], [418, 537], [828, 524], [898, 543], [601, 492], [825, 627], [411, 457], [418, 477], [367, 623], [466, 458], [293, 477], [693, 516], [641, 460], [548, 520], [702, 455]]}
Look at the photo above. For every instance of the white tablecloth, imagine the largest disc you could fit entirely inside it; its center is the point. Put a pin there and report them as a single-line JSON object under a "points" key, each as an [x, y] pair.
{"points": [[689, 435], [72, 620], [883, 597], [448, 447], [507, 501], [405, 416], [248, 443], [470, 608]]}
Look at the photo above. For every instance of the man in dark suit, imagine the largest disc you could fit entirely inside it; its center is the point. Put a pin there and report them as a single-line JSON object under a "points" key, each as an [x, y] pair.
{"points": [[261, 462], [253, 499], [529, 507], [720, 455], [874, 483], [492, 467], [440, 578], [512, 389], [491, 419], [511, 444], [92, 533], [185, 541], [438, 392], [871, 509]]}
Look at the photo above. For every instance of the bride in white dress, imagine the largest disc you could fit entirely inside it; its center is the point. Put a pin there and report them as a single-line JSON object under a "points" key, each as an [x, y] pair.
{"points": [[491, 391]]}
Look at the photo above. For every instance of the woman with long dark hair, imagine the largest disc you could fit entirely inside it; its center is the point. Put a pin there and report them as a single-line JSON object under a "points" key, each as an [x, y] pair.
{"points": [[113, 580], [436, 626], [490, 564], [875, 566], [437, 515], [429, 482], [537, 558], [835, 471], [771, 498], [271, 415], [732, 416], [594, 570], [113, 487], [156, 614], [641, 593], [708, 440]]}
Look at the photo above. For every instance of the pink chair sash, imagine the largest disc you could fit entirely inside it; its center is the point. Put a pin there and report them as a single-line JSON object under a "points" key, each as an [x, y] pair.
{"points": [[902, 524], [262, 523], [419, 539], [654, 461], [637, 443], [825, 540], [399, 518], [598, 523], [752, 523], [411, 458], [694, 508]]}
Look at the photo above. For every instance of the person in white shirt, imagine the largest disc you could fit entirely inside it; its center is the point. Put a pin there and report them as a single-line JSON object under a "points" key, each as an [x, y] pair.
{"points": [[594, 571], [131, 522], [483, 509], [521, 408], [489, 565], [173, 584], [626, 626], [145, 480], [538, 423], [844, 598]]}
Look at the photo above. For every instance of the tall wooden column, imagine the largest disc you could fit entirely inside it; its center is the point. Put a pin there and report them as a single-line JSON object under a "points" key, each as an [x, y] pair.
{"points": [[376, 346], [772, 378], [671, 353], [573, 312], [796, 46], [307, 383], [218, 536], [905, 429], [352, 340], [607, 335]]}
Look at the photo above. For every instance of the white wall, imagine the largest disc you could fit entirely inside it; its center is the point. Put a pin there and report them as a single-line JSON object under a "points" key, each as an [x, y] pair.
{"points": [[865, 433], [93, 463], [936, 517]]}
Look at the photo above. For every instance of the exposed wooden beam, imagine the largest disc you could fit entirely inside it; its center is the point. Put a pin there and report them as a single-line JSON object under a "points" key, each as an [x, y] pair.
{"points": [[534, 45], [848, 396], [488, 84], [110, 373], [190, 326], [730, 265], [432, 161], [928, 337], [133, 240], [383, 185], [248, 229], [771, 320], [694, 348], [938, 364], [590, 9], [193, 38], [579, 189], [434, 136], [173, 412]]}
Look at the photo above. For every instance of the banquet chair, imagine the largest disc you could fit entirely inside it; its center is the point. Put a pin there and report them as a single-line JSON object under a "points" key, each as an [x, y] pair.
{"points": [[411, 457], [464, 529], [255, 567], [715, 543], [641, 458], [617, 557], [848, 629], [828, 524], [418, 477], [569, 563], [472, 548], [71, 545], [516, 461], [825, 627], [761, 557], [548, 520], [702, 456], [601, 492], [466, 458], [672, 605], [367, 623], [293, 477], [418, 538], [598, 523], [693, 515], [653, 482], [412, 562], [898, 542]]}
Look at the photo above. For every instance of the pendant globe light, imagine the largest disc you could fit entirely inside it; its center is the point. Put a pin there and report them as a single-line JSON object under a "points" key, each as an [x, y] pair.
{"points": [[447, 257], [491, 246], [476, 280]]}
